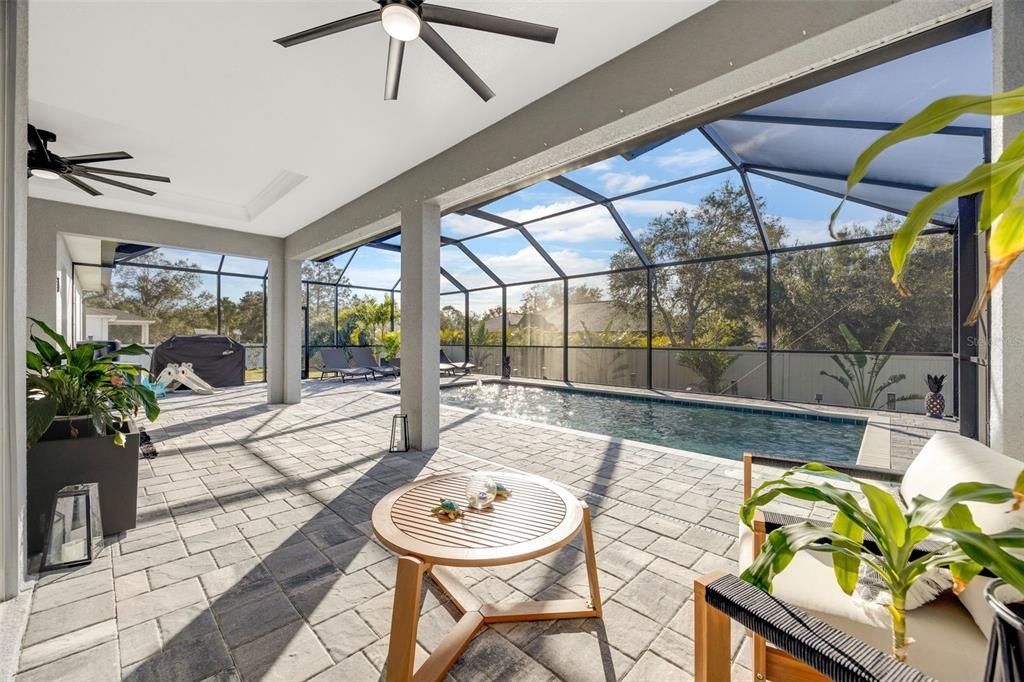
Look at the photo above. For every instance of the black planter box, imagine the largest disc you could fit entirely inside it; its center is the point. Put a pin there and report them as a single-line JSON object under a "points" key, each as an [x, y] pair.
{"points": [[54, 464]]}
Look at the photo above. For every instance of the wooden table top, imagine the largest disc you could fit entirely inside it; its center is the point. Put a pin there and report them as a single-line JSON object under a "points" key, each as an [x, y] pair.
{"points": [[538, 517]]}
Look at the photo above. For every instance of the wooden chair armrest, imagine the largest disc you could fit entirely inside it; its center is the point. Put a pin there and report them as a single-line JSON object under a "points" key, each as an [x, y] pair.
{"points": [[876, 473], [833, 653]]}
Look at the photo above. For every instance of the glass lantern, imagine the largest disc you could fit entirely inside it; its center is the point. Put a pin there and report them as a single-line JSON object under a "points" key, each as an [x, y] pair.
{"points": [[480, 492], [74, 534], [399, 433]]}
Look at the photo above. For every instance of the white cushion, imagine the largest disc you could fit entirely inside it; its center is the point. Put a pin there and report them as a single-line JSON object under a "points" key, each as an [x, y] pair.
{"points": [[947, 644], [947, 459]]}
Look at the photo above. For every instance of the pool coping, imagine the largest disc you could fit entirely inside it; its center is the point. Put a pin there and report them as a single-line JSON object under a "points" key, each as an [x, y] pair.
{"points": [[875, 447]]}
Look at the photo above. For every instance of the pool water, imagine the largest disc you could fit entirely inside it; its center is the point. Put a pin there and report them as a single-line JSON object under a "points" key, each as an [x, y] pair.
{"points": [[695, 427]]}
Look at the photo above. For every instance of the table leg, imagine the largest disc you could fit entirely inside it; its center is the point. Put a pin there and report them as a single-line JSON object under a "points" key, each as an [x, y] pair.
{"points": [[405, 617], [588, 538]]}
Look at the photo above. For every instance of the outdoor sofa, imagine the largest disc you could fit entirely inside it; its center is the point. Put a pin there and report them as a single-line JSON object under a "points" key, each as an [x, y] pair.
{"points": [[950, 633]]}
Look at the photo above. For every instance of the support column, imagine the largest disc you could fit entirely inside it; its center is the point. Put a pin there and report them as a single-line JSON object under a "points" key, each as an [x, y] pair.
{"points": [[421, 323], [284, 330], [13, 290], [1006, 391]]}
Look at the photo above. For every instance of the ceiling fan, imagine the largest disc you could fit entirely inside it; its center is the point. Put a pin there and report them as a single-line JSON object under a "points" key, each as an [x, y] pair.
{"points": [[42, 163], [406, 20]]}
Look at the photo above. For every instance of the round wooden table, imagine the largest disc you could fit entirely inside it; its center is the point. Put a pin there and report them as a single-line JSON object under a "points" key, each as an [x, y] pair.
{"points": [[537, 518]]}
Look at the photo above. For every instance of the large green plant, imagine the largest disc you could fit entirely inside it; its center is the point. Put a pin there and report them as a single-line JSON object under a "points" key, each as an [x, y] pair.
{"points": [[371, 320], [72, 382], [862, 371], [999, 183], [883, 536]]}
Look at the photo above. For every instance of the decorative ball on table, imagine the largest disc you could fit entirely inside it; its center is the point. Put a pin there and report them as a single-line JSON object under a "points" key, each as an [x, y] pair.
{"points": [[480, 492], [447, 509]]}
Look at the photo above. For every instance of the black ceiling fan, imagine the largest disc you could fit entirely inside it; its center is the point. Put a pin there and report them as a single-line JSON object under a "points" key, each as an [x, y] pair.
{"points": [[42, 163], [406, 20]]}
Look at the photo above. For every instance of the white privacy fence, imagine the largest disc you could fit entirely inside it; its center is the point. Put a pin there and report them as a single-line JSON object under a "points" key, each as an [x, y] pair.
{"points": [[796, 377]]}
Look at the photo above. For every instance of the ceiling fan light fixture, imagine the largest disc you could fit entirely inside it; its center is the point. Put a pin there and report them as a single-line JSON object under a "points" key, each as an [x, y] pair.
{"points": [[400, 21], [45, 173]]}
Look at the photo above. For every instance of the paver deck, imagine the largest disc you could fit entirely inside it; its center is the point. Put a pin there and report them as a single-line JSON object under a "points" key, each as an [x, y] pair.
{"points": [[254, 558]]}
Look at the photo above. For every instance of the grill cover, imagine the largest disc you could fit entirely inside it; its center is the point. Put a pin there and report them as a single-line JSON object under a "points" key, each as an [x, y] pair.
{"points": [[218, 360]]}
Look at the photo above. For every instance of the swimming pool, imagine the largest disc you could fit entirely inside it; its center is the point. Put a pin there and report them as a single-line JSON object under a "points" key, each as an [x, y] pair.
{"points": [[722, 431]]}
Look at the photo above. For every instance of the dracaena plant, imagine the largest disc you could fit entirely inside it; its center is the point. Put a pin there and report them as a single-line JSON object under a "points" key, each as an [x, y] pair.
{"points": [[884, 536], [71, 382], [999, 183]]}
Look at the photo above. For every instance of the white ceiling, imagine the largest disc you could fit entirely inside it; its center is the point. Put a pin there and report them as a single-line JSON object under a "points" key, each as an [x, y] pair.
{"points": [[264, 139]]}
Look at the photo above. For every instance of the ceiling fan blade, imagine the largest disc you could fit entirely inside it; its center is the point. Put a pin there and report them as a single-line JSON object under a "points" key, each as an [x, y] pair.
{"points": [[35, 141], [330, 28], [478, 21], [97, 158], [445, 52], [81, 185], [121, 173], [115, 183], [396, 50]]}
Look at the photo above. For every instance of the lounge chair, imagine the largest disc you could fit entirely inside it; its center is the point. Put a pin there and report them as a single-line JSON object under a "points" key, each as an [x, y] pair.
{"points": [[452, 367], [362, 356], [388, 367], [343, 362]]}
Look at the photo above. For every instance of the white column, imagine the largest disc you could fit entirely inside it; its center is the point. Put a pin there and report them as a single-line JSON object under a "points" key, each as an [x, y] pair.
{"points": [[1006, 410], [421, 323], [13, 290], [284, 329]]}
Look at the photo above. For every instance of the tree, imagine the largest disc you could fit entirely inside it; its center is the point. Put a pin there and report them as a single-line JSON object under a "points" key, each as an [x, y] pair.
{"points": [[453, 325], [366, 321], [684, 296], [815, 291], [243, 320], [178, 301], [320, 302], [711, 362]]}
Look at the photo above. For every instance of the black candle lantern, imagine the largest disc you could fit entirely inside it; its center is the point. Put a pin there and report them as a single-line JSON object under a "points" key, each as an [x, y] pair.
{"points": [[74, 534], [399, 433]]}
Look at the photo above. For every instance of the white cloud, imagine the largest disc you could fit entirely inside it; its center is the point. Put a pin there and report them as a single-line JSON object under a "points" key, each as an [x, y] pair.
{"points": [[456, 225], [621, 183], [520, 215], [586, 225], [649, 208], [600, 166], [574, 262], [522, 266], [701, 159]]}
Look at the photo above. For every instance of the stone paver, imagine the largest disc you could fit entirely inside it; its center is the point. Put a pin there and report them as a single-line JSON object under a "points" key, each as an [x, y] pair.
{"points": [[254, 558]]}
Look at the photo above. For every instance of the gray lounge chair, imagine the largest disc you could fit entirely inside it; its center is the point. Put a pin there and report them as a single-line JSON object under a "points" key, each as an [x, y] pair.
{"points": [[345, 363], [388, 367], [452, 367]]}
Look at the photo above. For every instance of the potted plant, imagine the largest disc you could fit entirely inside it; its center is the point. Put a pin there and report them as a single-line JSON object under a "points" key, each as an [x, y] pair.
{"points": [[80, 430], [884, 537], [935, 402]]}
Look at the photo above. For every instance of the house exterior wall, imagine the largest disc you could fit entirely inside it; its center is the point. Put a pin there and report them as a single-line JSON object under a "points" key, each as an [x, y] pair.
{"points": [[1006, 338]]}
